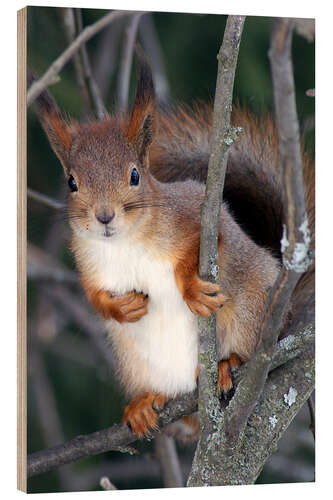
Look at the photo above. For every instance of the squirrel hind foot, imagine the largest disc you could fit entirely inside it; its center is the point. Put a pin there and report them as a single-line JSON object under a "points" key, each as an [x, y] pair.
{"points": [[225, 367], [141, 413]]}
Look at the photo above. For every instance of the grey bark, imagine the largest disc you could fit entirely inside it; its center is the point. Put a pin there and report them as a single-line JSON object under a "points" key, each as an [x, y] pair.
{"points": [[211, 417], [226, 454], [291, 351]]}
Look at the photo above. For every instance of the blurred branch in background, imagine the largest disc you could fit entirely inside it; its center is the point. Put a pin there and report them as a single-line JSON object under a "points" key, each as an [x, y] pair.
{"points": [[96, 101], [124, 73], [105, 60], [46, 407], [43, 267], [152, 47], [79, 312], [106, 484], [38, 86], [42, 264], [45, 200], [166, 454], [68, 21], [72, 22]]}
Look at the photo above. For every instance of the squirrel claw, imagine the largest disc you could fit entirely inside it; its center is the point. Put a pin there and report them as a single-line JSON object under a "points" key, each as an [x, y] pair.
{"points": [[225, 367], [205, 298], [123, 308], [140, 415]]}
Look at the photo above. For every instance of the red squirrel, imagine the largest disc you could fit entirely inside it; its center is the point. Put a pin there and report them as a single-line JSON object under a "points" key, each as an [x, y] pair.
{"points": [[134, 210]]}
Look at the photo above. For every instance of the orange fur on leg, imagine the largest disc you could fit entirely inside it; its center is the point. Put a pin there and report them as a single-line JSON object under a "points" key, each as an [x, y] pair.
{"points": [[140, 414], [224, 378], [126, 308]]}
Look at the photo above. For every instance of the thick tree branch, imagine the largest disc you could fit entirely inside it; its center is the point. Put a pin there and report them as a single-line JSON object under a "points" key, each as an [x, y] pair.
{"points": [[38, 86], [286, 391], [295, 249], [222, 138], [119, 437]]}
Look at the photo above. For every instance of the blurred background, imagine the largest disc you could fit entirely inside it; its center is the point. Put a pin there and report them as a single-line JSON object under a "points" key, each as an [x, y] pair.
{"points": [[71, 385]]}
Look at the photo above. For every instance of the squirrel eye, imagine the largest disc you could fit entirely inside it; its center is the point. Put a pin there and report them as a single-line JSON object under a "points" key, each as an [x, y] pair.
{"points": [[72, 184], [135, 177]]}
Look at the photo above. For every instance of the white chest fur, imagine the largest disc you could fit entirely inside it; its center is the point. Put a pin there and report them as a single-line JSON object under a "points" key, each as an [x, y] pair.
{"points": [[159, 352]]}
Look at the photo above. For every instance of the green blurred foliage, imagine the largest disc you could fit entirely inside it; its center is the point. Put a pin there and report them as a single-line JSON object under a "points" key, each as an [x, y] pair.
{"points": [[85, 400]]}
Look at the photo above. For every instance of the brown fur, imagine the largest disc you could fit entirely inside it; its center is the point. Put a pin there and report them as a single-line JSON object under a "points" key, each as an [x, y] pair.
{"points": [[165, 216], [126, 308]]}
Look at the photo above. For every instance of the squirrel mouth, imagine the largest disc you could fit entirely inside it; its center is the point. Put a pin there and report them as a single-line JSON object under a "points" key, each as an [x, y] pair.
{"points": [[107, 233]]}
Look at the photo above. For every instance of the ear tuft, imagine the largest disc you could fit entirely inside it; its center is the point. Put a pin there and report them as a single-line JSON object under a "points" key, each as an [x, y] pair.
{"points": [[141, 128]]}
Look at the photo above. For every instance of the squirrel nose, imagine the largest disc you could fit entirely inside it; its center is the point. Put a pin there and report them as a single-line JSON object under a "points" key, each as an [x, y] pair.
{"points": [[105, 218]]}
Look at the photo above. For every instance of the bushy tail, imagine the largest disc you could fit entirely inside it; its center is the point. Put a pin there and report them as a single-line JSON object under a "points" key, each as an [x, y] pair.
{"points": [[253, 187]]}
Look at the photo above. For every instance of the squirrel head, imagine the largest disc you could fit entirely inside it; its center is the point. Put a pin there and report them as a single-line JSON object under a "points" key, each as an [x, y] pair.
{"points": [[106, 162]]}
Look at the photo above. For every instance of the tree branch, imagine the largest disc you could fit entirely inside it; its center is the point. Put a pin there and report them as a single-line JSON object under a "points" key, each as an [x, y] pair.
{"points": [[166, 453], [45, 200], [295, 249], [41, 266], [222, 138], [119, 437], [67, 17], [88, 78], [39, 85], [116, 438], [153, 49], [126, 61]]}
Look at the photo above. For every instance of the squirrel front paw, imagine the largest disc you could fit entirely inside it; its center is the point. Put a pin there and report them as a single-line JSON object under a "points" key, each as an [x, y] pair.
{"points": [[123, 308], [204, 298], [141, 414]]}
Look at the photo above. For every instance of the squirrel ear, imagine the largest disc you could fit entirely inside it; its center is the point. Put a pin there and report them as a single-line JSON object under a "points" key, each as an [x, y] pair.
{"points": [[141, 128], [58, 131]]}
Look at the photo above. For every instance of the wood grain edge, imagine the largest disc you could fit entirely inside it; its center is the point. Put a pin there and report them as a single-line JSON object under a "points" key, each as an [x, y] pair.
{"points": [[21, 250]]}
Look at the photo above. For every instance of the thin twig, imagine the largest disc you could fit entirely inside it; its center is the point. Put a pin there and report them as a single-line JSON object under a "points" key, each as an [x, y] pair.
{"points": [[106, 484], [38, 86], [42, 266], [67, 16], [79, 312], [153, 49], [45, 200], [104, 62], [89, 80], [46, 405], [126, 62]]}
